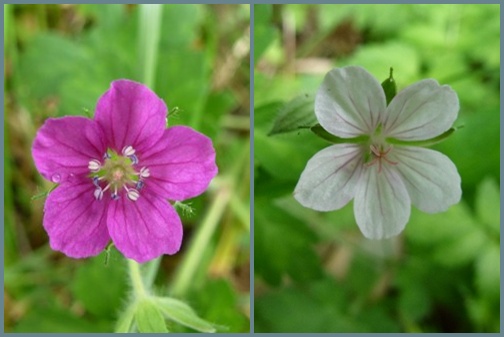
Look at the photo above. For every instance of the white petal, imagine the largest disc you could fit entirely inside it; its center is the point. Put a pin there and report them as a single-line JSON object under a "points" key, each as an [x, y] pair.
{"points": [[421, 111], [382, 205], [329, 178], [431, 178], [349, 102]]}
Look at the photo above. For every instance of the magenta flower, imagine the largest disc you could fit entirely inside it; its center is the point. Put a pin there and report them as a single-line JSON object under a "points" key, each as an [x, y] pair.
{"points": [[116, 173]]}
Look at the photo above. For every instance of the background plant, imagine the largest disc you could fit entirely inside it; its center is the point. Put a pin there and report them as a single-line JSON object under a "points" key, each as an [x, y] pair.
{"points": [[315, 272], [58, 60]]}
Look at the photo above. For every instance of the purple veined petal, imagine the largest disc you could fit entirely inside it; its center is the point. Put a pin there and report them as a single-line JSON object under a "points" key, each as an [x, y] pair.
{"points": [[64, 146], [75, 221], [144, 229], [131, 115], [329, 178], [349, 102], [431, 178], [421, 111], [382, 205], [181, 164]]}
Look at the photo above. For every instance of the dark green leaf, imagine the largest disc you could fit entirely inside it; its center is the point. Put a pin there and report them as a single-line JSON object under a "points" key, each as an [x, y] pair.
{"points": [[294, 115], [322, 133], [389, 87]]}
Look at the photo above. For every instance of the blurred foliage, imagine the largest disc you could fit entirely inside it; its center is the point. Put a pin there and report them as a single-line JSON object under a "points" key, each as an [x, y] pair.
{"points": [[315, 272], [58, 60]]}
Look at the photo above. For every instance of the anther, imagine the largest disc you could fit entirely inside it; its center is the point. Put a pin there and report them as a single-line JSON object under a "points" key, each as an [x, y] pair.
{"points": [[144, 172], [133, 194], [106, 156], [128, 151], [96, 180], [94, 165]]}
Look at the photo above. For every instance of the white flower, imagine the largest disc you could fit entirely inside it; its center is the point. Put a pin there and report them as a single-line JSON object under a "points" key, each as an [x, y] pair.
{"points": [[384, 179]]}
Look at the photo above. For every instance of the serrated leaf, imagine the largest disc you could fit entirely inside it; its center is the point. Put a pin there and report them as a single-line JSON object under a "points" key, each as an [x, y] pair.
{"points": [[148, 317], [182, 313], [294, 115]]}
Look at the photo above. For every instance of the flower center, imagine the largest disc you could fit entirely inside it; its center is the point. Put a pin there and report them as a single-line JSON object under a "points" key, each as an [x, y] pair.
{"points": [[117, 173], [377, 153]]}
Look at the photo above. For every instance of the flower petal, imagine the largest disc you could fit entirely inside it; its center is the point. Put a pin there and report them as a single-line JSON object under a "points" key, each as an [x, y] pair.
{"points": [[349, 102], [431, 178], [329, 178], [421, 111], [64, 146], [131, 115], [382, 205], [181, 164], [144, 229], [75, 221]]}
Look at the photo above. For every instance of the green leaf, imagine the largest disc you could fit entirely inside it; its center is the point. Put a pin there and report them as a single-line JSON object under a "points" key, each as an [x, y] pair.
{"points": [[322, 133], [219, 302], [488, 272], [125, 319], [488, 204], [294, 115], [99, 287], [148, 317], [389, 87], [265, 32], [181, 313], [279, 237]]}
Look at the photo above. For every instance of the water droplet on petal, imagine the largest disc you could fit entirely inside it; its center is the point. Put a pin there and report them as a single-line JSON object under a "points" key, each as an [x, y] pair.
{"points": [[56, 178]]}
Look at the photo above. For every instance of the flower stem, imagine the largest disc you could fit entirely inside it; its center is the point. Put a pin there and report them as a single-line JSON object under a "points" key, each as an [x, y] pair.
{"points": [[148, 41], [137, 283]]}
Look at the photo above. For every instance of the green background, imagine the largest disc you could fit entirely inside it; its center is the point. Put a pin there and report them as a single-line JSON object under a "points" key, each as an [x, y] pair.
{"points": [[58, 60], [315, 272]]}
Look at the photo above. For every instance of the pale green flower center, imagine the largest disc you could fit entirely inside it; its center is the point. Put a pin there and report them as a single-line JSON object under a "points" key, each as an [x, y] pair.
{"points": [[117, 172]]}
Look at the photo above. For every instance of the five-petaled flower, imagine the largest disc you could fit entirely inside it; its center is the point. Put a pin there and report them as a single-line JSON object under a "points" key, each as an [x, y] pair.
{"points": [[118, 172], [382, 178]]}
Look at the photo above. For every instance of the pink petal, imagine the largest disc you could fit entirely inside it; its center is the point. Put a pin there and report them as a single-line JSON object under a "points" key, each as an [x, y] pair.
{"points": [[421, 111], [181, 164], [64, 146], [329, 179], [349, 102], [131, 115], [144, 229], [75, 221]]}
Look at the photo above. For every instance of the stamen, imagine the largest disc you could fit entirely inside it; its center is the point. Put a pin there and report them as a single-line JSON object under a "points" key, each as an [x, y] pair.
{"points": [[107, 155], [139, 185], [96, 180], [133, 194], [98, 193], [144, 172], [134, 159], [128, 151], [94, 165]]}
